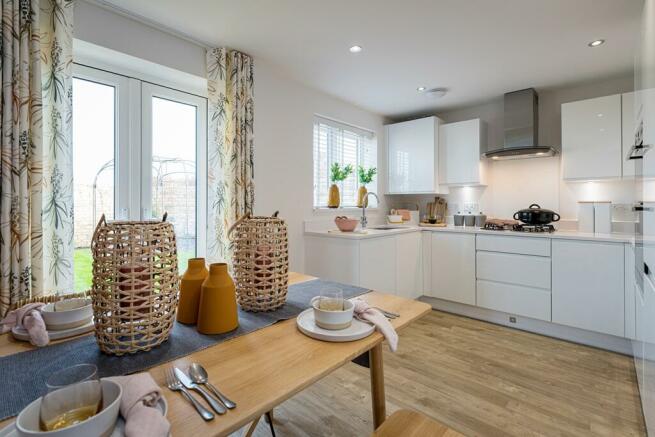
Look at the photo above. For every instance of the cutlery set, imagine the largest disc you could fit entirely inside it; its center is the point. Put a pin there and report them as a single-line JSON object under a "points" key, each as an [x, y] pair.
{"points": [[196, 380]]}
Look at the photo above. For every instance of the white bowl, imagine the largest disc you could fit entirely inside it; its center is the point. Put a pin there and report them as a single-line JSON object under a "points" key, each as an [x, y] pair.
{"points": [[396, 218], [67, 314], [333, 320], [102, 424]]}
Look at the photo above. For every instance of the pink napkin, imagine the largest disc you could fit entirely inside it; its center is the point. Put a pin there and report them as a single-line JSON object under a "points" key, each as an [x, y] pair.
{"points": [[364, 311], [29, 317], [138, 406]]}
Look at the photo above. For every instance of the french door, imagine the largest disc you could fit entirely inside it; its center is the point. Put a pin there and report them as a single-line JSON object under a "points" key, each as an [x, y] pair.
{"points": [[139, 151]]}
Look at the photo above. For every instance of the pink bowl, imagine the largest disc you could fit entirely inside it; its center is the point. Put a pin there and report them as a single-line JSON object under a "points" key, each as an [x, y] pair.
{"points": [[346, 224]]}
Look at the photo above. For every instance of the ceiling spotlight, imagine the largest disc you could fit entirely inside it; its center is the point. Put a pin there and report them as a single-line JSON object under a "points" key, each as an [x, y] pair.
{"points": [[596, 43], [355, 49], [436, 93], [420, 89]]}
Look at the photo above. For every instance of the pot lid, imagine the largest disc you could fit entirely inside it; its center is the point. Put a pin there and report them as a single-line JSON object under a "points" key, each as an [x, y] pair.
{"points": [[536, 208]]}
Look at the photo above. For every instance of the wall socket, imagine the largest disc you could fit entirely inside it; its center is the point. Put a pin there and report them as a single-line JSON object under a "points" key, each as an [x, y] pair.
{"points": [[512, 319]]}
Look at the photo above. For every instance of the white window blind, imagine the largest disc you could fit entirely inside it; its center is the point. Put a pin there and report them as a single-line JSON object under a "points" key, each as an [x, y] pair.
{"points": [[344, 144]]}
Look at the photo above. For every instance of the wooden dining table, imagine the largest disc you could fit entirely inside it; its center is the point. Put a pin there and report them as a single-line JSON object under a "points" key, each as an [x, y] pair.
{"points": [[264, 368]]}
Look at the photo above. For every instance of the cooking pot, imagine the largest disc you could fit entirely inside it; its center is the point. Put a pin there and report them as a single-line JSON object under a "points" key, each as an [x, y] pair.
{"points": [[536, 215]]}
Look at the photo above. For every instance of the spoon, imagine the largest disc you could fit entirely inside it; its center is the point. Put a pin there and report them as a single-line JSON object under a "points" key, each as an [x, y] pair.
{"points": [[199, 375]]}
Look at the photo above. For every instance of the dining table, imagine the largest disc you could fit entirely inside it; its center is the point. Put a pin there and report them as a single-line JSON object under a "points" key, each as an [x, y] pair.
{"points": [[264, 368]]}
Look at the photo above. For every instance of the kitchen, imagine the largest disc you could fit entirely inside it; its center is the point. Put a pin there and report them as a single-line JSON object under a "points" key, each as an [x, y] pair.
{"points": [[572, 270], [386, 218]]}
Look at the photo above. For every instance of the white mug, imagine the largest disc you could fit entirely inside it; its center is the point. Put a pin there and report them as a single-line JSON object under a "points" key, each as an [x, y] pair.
{"points": [[333, 320]]}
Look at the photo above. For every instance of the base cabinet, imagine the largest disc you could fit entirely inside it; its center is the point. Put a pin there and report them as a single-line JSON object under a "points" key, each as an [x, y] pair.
{"points": [[409, 269], [588, 285], [389, 264], [377, 265], [453, 267]]}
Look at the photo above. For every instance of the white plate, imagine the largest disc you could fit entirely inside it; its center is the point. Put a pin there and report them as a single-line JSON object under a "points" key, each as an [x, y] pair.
{"points": [[21, 333], [356, 331], [119, 429]]}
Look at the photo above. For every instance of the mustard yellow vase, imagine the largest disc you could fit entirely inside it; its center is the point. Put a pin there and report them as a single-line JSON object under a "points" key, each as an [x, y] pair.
{"points": [[217, 312], [333, 197], [190, 284], [360, 197]]}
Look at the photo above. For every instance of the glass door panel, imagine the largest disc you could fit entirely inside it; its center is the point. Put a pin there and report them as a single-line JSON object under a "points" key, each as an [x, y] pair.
{"points": [[94, 139], [174, 132], [173, 180]]}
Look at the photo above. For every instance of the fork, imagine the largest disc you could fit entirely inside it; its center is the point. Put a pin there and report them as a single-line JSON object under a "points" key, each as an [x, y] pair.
{"points": [[175, 385], [387, 314]]}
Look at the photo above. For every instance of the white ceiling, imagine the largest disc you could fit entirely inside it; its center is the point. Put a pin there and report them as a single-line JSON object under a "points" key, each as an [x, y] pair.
{"points": [[479, 49]]}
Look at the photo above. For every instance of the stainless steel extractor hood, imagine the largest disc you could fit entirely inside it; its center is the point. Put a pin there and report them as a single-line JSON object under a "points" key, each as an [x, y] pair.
{"points": [[521, 128]]}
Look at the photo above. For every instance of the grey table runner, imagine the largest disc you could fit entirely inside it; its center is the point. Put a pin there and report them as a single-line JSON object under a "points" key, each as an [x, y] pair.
{"points": [[23, 375]]}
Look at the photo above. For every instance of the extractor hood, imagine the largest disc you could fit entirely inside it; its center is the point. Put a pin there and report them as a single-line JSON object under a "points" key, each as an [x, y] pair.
{"points": [[521, 128]]}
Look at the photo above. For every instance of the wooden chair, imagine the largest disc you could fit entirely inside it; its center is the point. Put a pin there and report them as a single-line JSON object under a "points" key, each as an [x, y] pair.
{"points": [[406, 423]]}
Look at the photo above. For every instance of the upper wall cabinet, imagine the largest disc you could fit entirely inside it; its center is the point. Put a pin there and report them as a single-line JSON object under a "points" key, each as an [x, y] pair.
{"points": [[628, 133], [413, 157], [460, 145], [591, 139]]}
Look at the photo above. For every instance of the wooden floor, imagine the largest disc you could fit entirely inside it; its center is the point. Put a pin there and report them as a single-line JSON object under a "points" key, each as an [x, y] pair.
{"points": [[481, 380]]}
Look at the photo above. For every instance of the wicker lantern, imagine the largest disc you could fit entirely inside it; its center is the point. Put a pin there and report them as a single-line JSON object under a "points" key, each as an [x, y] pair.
{"points": [[260, 262], [135, 284]]}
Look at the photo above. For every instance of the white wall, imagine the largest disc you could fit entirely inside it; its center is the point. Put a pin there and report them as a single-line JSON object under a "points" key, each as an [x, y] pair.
{"points": [[284, 111], [105, 28], [515, 184]]}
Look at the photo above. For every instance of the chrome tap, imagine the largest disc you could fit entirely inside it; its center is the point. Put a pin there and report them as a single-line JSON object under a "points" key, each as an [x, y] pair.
{"points": [[364, 202]]}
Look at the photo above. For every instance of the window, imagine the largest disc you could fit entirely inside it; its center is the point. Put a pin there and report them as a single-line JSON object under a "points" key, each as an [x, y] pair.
{"points": [[136, 150], [343, 144]]}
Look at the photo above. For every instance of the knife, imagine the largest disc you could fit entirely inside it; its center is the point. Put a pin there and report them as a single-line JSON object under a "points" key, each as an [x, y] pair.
{"points": [[186, 381]]}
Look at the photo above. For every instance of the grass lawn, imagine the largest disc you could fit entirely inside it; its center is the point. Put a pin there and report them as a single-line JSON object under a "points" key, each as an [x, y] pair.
{"points": [[83, 266]]}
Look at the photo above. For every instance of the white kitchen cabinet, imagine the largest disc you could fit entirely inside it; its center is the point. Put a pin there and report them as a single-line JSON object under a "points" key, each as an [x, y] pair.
{"points": [[514, 299], [588, 285], [530, 271], [645, 116], [377, 264], [591, 139], [413, 156], [409, 277], [460, 147], [645, 348], [514, 244], [453, 267], [628, 126], [426, 249], [630, 298], [333, 259]]}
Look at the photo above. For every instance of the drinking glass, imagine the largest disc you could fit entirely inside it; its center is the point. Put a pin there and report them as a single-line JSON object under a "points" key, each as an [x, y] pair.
{"points": [[331, 299], [74, 395]]}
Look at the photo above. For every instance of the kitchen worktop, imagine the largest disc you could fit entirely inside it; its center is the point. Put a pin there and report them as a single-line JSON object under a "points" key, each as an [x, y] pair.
{"points": [[560, 234]]}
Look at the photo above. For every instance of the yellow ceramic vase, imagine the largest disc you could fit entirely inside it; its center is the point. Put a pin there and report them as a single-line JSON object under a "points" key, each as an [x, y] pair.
{"points": [[360, 197], [333, 197], [190, 284], [217, 312]]}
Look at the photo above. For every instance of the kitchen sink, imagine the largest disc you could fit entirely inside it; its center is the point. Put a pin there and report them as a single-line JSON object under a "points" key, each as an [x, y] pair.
{"points": [[387, 227]]}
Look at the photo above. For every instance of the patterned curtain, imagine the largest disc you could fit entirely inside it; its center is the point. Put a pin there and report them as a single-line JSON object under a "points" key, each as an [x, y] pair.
{"points": [[231, 190], [36, 167]]}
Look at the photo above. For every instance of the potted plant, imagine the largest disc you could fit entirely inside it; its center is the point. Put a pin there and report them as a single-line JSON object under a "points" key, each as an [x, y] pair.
{"points": [[365, 177], [337, 174]]}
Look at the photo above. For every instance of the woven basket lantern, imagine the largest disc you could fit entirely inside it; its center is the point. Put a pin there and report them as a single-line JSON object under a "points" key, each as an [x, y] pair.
{"points": [[260, 262], [135, 284]]}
